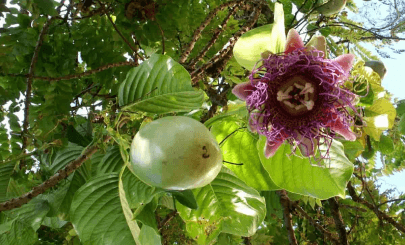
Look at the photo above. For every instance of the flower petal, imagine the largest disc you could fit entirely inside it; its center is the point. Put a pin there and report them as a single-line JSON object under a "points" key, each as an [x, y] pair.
{"points": [[243, 90], [294, 41], [345, 61], [341, 129], [271, 148], [308, 146]]}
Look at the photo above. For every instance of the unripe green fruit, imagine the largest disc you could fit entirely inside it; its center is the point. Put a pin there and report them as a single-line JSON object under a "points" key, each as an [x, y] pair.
{"points": [[331, 7], [175, 153]]}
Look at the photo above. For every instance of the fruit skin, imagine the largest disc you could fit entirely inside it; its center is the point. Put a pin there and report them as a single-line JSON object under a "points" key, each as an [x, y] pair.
{"points": [[377, 66], [331, 7], [175, 153]]}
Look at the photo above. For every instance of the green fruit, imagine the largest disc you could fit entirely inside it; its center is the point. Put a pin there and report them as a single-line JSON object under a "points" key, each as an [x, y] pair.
{"points": [[331, 7], [377, 66], [175, 153]]}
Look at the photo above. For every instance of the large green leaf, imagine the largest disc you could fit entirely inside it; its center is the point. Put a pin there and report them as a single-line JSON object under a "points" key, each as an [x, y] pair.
{"points": [[64, 157], [226, 205], [61, 199], [132, 224], [5, 174], [250, 46], [111, 162], [17, 232], [137, 192], [97, 215], [296, 174], [240, 147], [31, 214], [159, 85]]}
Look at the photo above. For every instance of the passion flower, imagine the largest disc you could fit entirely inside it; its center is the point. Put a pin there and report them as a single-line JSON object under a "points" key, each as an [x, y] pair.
{"points": [[299, 96]]}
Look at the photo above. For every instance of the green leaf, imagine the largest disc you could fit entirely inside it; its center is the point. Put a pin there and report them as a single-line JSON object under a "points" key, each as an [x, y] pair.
{"points": [[46, 6], [250, 46], [5, 174], [97, 215], [111, 162], [75, 137], [240, 147], [64, 157], [386, 145], [31, 214], [273, 206], [17, 232], [186, 198], [159, 85], [227, 204], [137, 192], [133, 225], [296, 174], [54, 222], [352, 149], [401, 107], [149, 236], [401, 125], [234, 110]]}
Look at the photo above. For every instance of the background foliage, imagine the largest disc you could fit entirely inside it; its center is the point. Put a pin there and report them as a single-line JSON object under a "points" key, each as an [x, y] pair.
{"points": [[78, 79]]}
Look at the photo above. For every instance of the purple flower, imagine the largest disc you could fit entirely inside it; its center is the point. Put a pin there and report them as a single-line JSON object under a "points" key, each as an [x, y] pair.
{"points": [[298, 96]]}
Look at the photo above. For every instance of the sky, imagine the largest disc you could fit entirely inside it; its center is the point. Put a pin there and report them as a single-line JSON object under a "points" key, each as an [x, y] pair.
{"points": [[394, 82]]}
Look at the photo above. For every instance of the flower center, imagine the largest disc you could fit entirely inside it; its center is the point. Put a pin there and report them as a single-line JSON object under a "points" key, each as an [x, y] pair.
{"points": [[297, 96]]}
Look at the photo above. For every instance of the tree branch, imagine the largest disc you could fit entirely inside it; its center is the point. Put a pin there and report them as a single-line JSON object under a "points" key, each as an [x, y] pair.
{"points": [[337, 216], [372, 207], [79, 75], [285, 202], [29, 86], [319, 227], [214, 38], [197, 32], [52, 181], [196, 74]]}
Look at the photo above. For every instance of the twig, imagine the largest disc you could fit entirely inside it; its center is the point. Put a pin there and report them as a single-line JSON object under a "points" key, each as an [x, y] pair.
{"points": [[163, 37], [197, 32], [393, 200], [52, 181], [167, 219], [285, 202], [122, 36], [337, 217], [29, 86], [380, 214], [196, 74], [319, 227], [214, 38]]}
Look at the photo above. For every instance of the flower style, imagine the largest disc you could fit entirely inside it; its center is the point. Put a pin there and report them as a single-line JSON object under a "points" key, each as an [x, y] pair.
{"points": [[298, 96]]}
